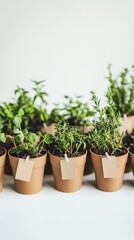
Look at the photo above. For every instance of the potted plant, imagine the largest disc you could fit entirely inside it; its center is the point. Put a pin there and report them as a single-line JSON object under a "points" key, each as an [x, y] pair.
{"points": [[131, 153], [128, 141], [77, 113], [122, 89], [55, 116], [105, 137], [32, 145], [31, 110], [67, 140], [2, 159]]}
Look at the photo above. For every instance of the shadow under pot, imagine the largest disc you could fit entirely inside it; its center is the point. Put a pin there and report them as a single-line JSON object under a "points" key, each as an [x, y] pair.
{"points": [[88, 165], [2, 165], [74, 184], [128, 167], [109, 184], [131, 154], [8, 145], [36, 181]]}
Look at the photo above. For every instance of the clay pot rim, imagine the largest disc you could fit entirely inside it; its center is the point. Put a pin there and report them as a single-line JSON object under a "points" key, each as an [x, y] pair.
{"points": [[100, 155], [18, 157], [69, 157]]}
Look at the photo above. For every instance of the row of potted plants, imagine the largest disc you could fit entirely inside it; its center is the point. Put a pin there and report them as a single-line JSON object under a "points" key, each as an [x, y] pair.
{"points": [[34, 114], [67, 150]]}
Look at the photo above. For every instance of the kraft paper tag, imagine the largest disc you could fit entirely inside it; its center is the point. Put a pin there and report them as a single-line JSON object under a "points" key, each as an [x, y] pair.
{"points": [[24, 170], [67, 169], [109, 166]]}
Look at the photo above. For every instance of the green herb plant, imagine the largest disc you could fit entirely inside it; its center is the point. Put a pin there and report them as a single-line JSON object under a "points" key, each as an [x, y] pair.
{"points": [[56, 115], [67, 140], [26, 143], [122, 89], [32, 110], [105, 135]]}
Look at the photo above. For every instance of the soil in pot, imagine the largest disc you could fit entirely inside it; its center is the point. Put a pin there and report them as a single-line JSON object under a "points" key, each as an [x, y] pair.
{"points": [[109, 184], [2, 164], [68, 185], [36, 181]]}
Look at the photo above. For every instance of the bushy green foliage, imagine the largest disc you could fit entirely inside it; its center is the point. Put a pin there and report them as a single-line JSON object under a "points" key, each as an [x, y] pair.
{"points": [[74, 111], [105, 135], [26, 143], [122, 89], [55, 115], [26, 107], [68, 139]]}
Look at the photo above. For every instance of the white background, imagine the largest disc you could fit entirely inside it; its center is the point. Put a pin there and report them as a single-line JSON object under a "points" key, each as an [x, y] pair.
{"points": [[68, 43]]}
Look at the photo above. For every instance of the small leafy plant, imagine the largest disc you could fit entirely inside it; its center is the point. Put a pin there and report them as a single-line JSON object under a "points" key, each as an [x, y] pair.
{"points": [[2, 140], [122, 89], [26, 143], [68, 139], [105, 135], [55, 115], [31, 110], [77, 112]]}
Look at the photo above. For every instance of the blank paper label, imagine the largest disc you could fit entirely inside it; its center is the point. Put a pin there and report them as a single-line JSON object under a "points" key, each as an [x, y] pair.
{"points": [[24, 170], [110, 169], [67, 169]]}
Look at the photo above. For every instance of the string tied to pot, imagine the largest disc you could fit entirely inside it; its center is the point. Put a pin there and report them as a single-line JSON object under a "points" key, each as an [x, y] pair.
{"points": [[107, 156], [66, 158], [27, 159]]}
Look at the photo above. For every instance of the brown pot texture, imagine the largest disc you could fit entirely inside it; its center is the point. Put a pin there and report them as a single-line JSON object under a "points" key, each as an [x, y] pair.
{"points": [[36, 182], [50, 129], [131, 154], [72, 185], [85, 129], [2, 164], [8, 145], [108, 184], [127, 124]]}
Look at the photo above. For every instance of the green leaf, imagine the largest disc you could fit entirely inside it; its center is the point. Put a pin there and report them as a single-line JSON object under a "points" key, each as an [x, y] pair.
{"points": [[21, 112], [25, 131], [48, 138], [17, 121], [32, 138], [19, 138], [2, 137], [16, 131]]}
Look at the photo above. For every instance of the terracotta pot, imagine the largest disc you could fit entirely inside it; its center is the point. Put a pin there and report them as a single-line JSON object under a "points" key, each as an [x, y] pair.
{"points": [[2, 164], [131, 154], [108, 184], [8, 145], [68, 185], [127, 124], [50, 129], [35, 184]]}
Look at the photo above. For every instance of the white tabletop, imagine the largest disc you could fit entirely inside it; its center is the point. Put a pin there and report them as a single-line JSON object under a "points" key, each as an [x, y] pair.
{"points": [[83, 215]]}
